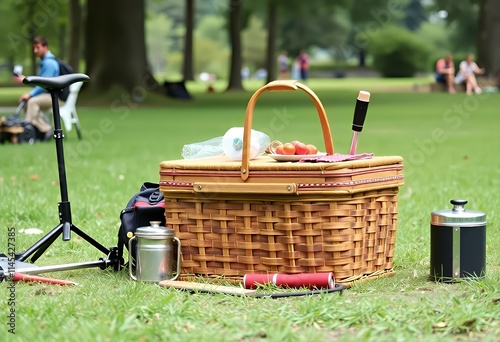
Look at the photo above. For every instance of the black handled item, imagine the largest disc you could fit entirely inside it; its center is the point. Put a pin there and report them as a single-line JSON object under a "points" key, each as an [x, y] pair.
{"points": [[20, 108], [359, 118], [15, 119]]}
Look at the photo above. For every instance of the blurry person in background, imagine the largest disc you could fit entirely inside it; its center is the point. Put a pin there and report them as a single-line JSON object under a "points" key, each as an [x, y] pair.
{"points": [[39, 99], [445, 72], [283, 66], [467, 73], [303, 60]]}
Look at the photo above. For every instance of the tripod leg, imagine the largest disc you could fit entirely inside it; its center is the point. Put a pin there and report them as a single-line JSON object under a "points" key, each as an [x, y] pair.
{"points": [[41, 245], [89, 239]]}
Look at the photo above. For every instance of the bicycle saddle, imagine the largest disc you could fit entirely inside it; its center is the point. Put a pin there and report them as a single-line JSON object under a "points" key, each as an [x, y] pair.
{"points": [[58, 82]]}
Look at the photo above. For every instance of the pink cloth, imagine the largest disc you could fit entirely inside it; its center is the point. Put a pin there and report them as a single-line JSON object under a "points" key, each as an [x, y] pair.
{"points": [[337, 157]]}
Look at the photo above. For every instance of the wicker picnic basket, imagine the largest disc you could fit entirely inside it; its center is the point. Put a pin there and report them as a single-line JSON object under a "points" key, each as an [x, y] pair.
{"points": [[264, 216]]}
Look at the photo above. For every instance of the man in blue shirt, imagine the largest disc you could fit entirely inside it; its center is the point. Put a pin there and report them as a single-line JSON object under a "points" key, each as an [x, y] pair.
{"points": [[39, 99]]}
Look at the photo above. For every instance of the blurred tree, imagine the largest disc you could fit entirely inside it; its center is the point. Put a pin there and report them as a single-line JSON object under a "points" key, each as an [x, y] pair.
{"points": [[415, 15], [175, 10], [272, 35], [187, 68], [178, 12], [13, 44], [398, 52], [488, 39], [235, 21], [211, 46], [214, 57], [462, 20], [37, 18], [214, 28], [22, 20], [30, 29], [320, 30], [253, 39], [75, 22], [343, 27], [208, 21], [158, 27], [368, 19], [438, 36], [476, 25], [287, 29], [116, 47]]}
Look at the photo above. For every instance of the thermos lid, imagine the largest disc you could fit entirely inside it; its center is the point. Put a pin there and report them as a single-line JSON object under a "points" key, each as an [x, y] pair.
{"points": [[154, 231], [458, 216]]}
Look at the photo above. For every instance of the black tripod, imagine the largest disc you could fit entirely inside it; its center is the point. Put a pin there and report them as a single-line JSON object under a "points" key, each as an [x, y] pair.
{"points": [[54, 85]]}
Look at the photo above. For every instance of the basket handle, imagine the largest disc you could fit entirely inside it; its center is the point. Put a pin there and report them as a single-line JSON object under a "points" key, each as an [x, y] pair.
{"points": [[281, 85]]}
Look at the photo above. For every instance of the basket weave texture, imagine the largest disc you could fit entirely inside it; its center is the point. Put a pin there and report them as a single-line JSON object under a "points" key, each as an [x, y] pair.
{"points": [[262, 216], [342, 224]]}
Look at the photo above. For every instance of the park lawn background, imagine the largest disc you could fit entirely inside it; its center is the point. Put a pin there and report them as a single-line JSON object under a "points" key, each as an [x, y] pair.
{"points": [[450, 146]]}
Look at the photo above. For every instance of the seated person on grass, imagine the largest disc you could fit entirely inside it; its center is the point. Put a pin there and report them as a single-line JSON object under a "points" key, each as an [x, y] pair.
{"points": [[467, 73], [39, 99], [445, 71]]}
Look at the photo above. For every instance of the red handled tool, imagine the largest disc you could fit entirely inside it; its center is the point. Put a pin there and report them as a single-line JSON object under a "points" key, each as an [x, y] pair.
{"points": [[25, 277], [318, 283], [309, 280]]}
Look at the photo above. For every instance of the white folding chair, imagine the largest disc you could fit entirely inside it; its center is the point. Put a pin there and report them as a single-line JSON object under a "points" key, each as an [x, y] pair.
{"points": [[68, 110]]}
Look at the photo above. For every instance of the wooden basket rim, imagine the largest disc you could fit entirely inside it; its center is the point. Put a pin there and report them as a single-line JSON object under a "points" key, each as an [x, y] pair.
{"points": [[266, 163]]}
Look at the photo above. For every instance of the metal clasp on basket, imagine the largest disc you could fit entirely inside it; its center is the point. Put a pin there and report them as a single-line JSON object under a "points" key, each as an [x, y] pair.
{"points": [[246, 188]]}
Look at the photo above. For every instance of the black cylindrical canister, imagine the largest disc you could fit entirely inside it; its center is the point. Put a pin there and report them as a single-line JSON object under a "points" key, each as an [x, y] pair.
{"points": [[458, 243]]}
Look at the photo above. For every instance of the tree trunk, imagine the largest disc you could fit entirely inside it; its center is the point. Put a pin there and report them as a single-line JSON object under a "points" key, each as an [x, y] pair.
{"points": [[188, 42], [62, 41], [116, 47], [235, 82], [488, 49], [482, 35], [32, 33], [34, 61], [362, 58], [75, 20], [272, 33]]}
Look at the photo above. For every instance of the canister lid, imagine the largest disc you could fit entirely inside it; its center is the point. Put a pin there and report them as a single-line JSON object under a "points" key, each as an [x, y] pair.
{"points": [[458, 216], [154, 231]]}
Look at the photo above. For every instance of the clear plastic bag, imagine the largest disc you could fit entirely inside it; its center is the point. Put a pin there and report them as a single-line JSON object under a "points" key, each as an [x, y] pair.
{"points": [[232, 143], [204, 149]]}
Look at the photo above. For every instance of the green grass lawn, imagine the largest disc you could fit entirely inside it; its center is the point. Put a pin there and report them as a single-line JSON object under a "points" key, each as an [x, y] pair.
{"points": [[450, 146]]}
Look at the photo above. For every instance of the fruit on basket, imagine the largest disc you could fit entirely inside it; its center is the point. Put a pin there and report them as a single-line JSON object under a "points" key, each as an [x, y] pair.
{"points": [[295, 147]]}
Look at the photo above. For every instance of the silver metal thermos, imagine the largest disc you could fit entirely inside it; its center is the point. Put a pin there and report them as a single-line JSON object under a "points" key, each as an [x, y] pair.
{"points": [[458, 243], [155, 253]]}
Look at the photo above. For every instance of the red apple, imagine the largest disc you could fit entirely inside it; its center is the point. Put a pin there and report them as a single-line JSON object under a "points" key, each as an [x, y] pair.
{"points": [[300, 148], [311, 149], [288, 149]]}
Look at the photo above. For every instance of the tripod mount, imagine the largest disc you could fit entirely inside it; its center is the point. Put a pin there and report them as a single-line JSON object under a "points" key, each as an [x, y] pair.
{"points": [[54, 85]]}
